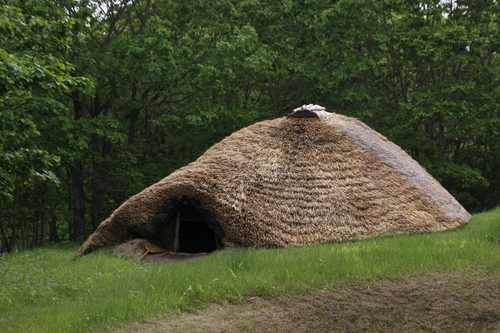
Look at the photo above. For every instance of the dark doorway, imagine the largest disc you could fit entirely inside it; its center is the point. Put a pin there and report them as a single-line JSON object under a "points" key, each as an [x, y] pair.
{"points": [[187, 229], [194, 233]]}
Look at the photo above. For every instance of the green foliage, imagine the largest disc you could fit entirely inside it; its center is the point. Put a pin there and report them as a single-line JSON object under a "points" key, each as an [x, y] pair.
{"points": [[171, 78], [33, 75], [425, 75], [43, 290]]}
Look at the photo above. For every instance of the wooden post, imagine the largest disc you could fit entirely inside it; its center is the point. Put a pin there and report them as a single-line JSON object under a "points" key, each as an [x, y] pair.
{"points": [[217, 243], [177, 225]]}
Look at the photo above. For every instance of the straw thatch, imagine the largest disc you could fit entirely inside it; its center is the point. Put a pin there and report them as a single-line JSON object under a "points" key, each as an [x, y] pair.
{"points": [[312, 177]]}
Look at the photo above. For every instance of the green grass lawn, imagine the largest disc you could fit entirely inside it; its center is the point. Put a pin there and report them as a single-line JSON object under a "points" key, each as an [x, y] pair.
{"points": [[43, 290]]}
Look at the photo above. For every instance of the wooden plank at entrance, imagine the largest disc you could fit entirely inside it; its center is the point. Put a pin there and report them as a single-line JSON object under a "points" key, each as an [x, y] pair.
{"points": [[177, 225]]}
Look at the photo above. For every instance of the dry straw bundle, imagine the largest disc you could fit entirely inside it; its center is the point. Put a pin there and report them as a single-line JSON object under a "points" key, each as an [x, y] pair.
{"points": [[312, 177]]}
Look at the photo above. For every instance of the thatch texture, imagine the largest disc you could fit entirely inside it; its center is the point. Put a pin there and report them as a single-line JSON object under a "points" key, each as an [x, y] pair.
{"points": [[296, 180]]}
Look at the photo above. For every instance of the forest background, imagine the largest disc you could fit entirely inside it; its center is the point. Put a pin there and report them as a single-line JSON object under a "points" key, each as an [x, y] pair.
{"points": [[100, 99]]}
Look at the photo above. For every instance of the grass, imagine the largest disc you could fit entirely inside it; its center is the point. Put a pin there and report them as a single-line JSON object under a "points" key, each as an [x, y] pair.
{"points": [[43, 290]]}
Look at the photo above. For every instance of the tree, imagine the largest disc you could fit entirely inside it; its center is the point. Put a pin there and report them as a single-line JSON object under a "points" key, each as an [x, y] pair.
{"points": [[32, 76], [173, 77]]}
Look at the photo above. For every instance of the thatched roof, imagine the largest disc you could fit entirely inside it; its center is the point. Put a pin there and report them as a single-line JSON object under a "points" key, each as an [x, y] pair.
{"points": [[312, 177]]}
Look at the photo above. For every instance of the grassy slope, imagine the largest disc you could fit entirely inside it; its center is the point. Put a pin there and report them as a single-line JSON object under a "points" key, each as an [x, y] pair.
{"points": [[44, 291]]}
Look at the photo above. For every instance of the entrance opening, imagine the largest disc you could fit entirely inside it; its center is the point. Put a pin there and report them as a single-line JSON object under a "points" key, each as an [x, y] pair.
{"points": [[188, 230]]}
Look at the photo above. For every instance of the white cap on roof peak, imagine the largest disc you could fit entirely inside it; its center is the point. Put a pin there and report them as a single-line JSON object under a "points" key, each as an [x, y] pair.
{"points": [[310, 107]]}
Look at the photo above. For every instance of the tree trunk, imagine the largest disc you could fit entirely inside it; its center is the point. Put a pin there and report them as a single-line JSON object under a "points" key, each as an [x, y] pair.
{"points": [[97, 195], [13, 221], [76, 174], [3, 229], [54, 236], [133, 115], [98, 180], [34, 235], [43, 229], [78, 203], [441, 139], [13, 237]]}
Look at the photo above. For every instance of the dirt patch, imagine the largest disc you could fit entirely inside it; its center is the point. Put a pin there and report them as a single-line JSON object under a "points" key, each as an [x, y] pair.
{"points": [[135, 249], [430, 303]]}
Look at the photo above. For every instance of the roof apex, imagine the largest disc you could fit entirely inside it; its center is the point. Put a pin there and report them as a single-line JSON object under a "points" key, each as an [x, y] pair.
{"points": [[310, 111]]}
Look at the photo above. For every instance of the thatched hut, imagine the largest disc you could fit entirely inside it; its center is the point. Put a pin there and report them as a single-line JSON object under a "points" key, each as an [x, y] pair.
{"points": [[311, 177]]}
